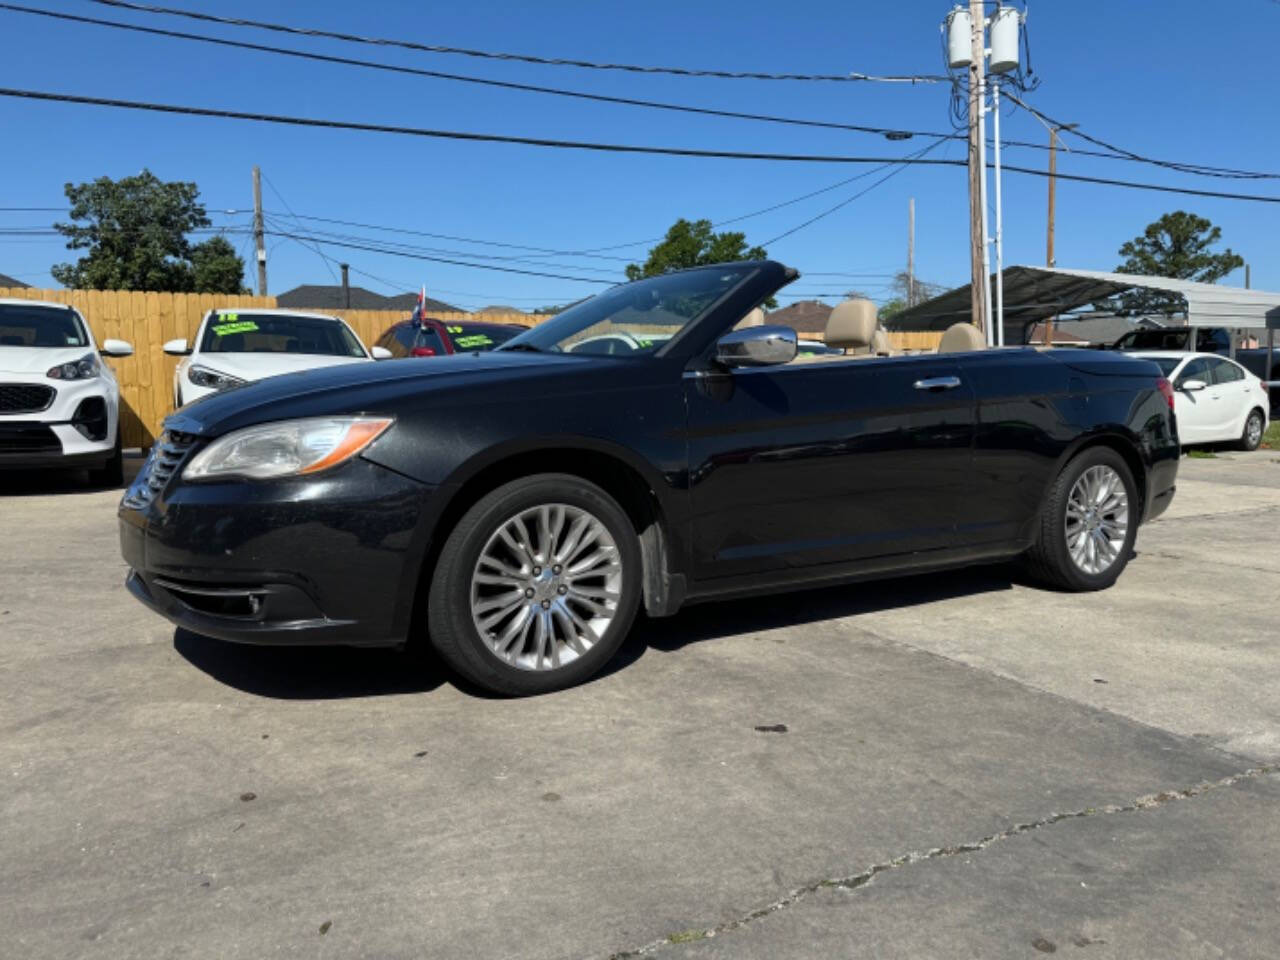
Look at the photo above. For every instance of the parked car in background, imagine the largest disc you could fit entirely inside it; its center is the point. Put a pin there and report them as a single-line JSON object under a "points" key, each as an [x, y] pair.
{"points": [[517, 508], [236, 346], [1216, 400], [59, 403], [438, 338], [1200, 339]]}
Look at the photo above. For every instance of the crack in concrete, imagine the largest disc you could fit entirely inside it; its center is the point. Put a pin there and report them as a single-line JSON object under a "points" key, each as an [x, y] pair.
{"points": [[864, 878]]}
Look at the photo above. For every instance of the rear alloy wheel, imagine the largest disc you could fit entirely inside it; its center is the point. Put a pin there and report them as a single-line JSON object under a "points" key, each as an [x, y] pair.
{"points": [[1252, 435], [536, 586], [1088, 523]]}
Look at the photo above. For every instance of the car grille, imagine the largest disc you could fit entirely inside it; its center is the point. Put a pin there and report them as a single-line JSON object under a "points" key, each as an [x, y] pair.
{"points": [[166, 457], [25, 397], [28, 438]]}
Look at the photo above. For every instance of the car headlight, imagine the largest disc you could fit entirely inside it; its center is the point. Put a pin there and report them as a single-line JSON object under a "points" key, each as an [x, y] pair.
{"points": [[285, 448], [204, 377], [83, 369]]}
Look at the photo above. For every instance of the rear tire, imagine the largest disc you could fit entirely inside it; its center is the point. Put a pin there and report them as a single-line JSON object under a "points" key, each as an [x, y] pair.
{"points": [[1251, 437], [111, 473], [536, 587], [1088, 524]]}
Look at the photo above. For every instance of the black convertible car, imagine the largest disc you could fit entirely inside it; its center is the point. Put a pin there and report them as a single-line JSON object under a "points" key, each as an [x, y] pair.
{"points": [[517, 507]]}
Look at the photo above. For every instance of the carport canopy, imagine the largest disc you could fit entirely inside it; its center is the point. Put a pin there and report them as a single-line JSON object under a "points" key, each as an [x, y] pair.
{"points": [[1032, 294]]}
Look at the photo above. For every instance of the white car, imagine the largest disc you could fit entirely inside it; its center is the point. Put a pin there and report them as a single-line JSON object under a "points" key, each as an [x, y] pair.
{"points": [[59, 403], [236, 346], [1215, 399]]}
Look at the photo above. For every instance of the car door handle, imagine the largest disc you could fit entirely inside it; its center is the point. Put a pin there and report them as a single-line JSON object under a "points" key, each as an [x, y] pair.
{"points": [[938, 383]]}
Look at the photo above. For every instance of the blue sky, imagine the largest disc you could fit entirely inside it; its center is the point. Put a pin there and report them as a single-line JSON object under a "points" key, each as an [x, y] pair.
{"points": [[1180, 80]]}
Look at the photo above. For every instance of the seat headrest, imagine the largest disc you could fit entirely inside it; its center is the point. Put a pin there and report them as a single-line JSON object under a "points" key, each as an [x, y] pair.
{"points": [[851, 325], [880, 344], [753, 319], [962, 337]]}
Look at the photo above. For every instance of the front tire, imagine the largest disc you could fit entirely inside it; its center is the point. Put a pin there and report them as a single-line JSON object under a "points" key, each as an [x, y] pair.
{"points": [[1251, 437], [1088, 523], [536, 587]]}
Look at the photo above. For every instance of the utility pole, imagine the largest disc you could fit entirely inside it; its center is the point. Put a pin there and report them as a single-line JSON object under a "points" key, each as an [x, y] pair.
{"points": [[1053, 179], [258, 237], [977, 178], [911, 253], [1246, 276]]}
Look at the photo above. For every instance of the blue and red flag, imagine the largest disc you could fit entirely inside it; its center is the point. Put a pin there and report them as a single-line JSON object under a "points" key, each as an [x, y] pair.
{"points": [[419, 309]]}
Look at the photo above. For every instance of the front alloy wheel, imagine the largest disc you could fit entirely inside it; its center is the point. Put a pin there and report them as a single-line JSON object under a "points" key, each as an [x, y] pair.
{"points": [[536, 586], [546, 586]]}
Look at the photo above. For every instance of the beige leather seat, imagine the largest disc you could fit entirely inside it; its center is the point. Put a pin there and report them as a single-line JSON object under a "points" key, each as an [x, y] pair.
{"points": [[851, 326], [961, 338]]}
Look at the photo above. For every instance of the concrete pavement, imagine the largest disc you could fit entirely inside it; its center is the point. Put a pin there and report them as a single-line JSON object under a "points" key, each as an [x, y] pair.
{"points": [[969, 767]]}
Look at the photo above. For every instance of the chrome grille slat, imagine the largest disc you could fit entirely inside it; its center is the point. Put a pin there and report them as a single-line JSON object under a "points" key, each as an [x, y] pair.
{"points": [[166, 456]]}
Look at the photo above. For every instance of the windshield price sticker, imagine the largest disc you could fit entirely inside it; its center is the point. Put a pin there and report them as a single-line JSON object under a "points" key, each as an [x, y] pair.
{"points": [[241, 326], [475, 340], [454, 329]]}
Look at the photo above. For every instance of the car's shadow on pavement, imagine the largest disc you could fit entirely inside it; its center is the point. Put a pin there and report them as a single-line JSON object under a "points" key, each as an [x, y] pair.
{"points": [[323, 673], [310, 673], [724, 618], [38, 483]]}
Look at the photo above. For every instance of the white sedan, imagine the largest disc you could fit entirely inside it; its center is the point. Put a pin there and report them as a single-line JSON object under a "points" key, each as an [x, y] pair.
{"points": [[1216, 400], [59, 403], [236, 346]]}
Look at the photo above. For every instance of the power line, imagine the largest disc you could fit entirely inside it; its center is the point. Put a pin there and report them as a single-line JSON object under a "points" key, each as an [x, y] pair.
{"points": [[461, 78], [1195, 168], [589, 145], [1113, 153], [898, 168], [524, 58], [457, 263]]}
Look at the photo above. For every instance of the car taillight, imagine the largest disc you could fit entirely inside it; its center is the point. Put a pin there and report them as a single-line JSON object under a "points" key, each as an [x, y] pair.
{"points": [[1166, 390], [423, 352]]}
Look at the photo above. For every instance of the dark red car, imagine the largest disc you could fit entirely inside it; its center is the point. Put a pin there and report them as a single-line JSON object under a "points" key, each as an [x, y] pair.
{"points": [[438, 338]]}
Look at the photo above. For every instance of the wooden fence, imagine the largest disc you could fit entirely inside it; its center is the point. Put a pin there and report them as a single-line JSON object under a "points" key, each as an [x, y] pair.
{"points": [[147, 320]]}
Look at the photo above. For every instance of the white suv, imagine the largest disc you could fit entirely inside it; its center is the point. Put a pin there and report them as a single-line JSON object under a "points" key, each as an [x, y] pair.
{"points": [[59, 403]]}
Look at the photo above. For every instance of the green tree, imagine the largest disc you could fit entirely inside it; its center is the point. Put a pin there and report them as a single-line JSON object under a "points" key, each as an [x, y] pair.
{"points": [[1177, 245], [694, 244], [891, 308], [135, 231], [216, 267]]}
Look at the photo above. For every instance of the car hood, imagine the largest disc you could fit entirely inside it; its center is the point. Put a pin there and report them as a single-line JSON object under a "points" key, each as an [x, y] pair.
{"points": [[255, 366], [36, 360], [374, 387]]}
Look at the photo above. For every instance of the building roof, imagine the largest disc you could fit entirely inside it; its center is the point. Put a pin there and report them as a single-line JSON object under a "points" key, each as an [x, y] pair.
{"points": [[9, 282], [1036, 293], [311, 296], [803, 316]]}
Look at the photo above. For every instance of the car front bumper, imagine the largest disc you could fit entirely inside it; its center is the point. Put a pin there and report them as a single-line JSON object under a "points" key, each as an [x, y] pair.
{"points": [[77, 428], [331, 559]]}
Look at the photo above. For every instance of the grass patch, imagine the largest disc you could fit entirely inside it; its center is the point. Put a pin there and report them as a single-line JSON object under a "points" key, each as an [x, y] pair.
{"points": [[1271, 439], [1202, 455], [687, 936]]}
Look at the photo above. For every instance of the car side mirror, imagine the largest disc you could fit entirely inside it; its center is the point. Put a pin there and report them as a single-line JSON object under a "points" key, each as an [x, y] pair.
{"points": [[1191, 386], [756, 347], [177, 348], [380, 353], [116, 348]]}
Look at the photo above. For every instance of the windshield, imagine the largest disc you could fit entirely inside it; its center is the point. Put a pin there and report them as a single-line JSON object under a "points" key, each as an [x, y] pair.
{"points": [[22, 326], [1153, 340], [479, 337], [634, 319], [1166, 364], [277, 333]]}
